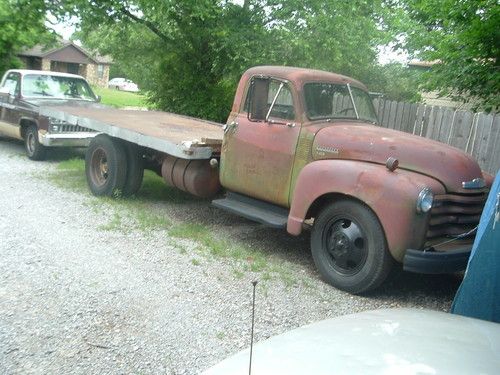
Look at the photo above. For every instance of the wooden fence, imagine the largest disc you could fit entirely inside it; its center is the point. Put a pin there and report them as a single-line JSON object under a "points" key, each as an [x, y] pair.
{"points": [[478, 134]]}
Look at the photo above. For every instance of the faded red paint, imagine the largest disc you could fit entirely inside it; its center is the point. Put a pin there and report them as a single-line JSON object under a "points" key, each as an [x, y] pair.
{"points": [[374, 144]]}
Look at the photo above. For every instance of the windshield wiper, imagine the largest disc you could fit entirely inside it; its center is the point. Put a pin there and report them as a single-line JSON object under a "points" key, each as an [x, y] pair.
{"points": [[44, 93], [352, 101]]}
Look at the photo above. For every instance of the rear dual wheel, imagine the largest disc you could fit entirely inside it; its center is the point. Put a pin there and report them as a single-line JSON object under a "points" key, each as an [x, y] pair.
{"points": [[113, 167]]}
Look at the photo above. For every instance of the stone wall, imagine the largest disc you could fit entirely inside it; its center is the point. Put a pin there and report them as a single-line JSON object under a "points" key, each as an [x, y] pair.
{"points": [[45, 64], [93, 75]]}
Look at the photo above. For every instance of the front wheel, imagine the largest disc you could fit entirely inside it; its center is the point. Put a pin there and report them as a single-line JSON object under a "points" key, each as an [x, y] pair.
{"points": [[349, 248], [34, 149]]}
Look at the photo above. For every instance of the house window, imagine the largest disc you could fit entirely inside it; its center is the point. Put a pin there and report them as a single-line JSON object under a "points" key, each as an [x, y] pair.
{"points": [[100, 71], [73, 68]]}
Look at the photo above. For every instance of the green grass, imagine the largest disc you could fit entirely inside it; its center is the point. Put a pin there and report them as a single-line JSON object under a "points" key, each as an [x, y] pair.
{"points": [[195, 262], [70, 174], [120, 99], [248, 259], [122, 213]]}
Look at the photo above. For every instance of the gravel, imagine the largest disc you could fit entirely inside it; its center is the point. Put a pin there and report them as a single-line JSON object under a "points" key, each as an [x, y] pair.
{"points": [[78, 299]]}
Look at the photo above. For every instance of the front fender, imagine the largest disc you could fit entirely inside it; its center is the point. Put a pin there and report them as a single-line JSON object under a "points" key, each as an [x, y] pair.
{"points": [[391, 195]]}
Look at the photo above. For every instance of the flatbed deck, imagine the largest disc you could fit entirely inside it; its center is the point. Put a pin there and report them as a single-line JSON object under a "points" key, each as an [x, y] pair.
{"points": [[177, 135]]}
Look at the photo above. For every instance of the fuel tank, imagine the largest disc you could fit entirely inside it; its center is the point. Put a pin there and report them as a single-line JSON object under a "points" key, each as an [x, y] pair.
{"points": [[196, 177]]}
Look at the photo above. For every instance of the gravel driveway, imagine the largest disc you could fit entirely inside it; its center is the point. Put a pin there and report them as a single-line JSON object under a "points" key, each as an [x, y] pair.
{"points": [[78, 299]]}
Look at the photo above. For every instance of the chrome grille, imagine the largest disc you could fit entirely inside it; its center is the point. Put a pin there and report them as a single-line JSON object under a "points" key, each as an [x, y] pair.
{"points": [[72, 128], [455, 214]]}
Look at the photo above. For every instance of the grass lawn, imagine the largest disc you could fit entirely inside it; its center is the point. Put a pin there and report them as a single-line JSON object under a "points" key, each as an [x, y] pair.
{"points": [[120, 99]]}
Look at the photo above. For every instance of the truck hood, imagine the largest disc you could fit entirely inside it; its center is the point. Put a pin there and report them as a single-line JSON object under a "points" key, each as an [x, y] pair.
{"points": [[58, 102], [375, 144]]}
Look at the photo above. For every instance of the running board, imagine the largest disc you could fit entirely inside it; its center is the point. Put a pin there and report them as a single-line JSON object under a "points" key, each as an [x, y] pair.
{"points": [[253, 209]]}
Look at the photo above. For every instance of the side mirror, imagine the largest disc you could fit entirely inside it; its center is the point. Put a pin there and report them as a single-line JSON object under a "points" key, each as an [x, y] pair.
{"points": [[98, 98], [5, 91]]}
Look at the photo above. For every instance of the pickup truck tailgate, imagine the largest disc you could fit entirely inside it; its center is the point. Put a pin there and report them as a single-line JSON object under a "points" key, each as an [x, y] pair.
{"points": [[177, 135]]}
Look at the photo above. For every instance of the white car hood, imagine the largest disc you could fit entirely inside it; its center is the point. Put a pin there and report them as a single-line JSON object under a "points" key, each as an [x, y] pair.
{"points": [[394, 341]]}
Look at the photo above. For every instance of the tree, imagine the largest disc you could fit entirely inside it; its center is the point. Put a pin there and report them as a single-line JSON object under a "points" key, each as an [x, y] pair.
{"points": [[22, 25], [463, 38], [190, 54], [339, 36], [396, 82]]}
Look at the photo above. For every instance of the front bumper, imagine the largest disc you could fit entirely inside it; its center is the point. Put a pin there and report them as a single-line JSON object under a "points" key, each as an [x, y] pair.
{"points": [[435, 262], [76, 139]]}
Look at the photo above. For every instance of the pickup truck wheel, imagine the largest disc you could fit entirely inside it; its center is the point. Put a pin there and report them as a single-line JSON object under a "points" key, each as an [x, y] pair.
{"points": [[135, 169], [349, 247], [34, 149], [105, 166]]}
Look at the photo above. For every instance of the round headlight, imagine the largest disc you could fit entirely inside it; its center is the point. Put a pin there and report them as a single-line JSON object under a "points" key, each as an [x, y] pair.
{"points": [[424, 201]]}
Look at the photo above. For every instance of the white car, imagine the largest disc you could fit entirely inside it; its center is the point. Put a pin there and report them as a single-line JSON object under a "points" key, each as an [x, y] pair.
{"points": [[391, 342], [123, 84]]}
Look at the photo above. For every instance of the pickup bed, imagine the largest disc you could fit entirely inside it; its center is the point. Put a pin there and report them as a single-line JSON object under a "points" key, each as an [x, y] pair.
{"points": [[302, 149]]}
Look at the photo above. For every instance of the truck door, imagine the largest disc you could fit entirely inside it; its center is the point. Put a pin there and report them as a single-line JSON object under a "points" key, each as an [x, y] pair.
{"points": [[9, 119], [259, 145]]}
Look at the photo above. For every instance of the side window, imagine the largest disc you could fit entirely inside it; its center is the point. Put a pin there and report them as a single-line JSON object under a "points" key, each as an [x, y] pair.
{"points": [[261, 94], [12, 82], [283, 106]]}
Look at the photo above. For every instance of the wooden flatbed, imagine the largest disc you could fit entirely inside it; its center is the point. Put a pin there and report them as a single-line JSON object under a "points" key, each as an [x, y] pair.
{"points": [[176, 135]]}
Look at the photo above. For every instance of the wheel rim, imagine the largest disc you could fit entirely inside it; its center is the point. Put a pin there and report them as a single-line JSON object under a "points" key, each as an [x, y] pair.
{"points": [[345, 245], [99, 167], [30, 143]]}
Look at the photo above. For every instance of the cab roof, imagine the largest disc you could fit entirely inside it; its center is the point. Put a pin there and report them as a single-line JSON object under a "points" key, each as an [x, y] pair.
{"points": [[43, 72], [302, 75]]}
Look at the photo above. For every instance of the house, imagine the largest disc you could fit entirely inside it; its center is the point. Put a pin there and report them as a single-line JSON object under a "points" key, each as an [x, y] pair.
{"points": [[432, 97], [67, 57]]}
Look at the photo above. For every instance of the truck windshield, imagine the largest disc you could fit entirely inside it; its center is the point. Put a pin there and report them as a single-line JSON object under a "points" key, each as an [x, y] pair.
{"points": [[46, 86], [333, 101]]}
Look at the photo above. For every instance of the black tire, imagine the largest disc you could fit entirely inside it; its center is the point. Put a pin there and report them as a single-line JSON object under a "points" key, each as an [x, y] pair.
{"points": [[349, 248], [135, 169], [105, 166], [34, 149]]}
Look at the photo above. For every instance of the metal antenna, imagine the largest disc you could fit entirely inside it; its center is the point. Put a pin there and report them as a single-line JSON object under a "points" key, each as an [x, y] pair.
{"points": [[254, 283]]}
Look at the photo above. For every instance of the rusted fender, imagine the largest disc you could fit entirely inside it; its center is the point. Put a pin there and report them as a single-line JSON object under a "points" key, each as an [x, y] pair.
{"points": [[488, 179], [391, 195]]}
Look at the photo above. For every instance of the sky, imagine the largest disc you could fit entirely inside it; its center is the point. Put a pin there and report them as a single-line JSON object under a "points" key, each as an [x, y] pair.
{"points": [[64, 29]]}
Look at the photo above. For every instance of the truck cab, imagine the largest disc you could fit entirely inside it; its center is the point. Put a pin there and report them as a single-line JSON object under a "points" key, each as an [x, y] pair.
{"points": [[302, 148]]}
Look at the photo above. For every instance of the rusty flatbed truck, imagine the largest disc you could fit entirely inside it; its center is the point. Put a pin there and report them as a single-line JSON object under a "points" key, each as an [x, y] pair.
{"points": [[302, 148]]}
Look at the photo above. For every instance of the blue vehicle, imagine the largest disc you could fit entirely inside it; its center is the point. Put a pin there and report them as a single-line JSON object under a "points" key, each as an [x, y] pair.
{"points": [[478, 296]]}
